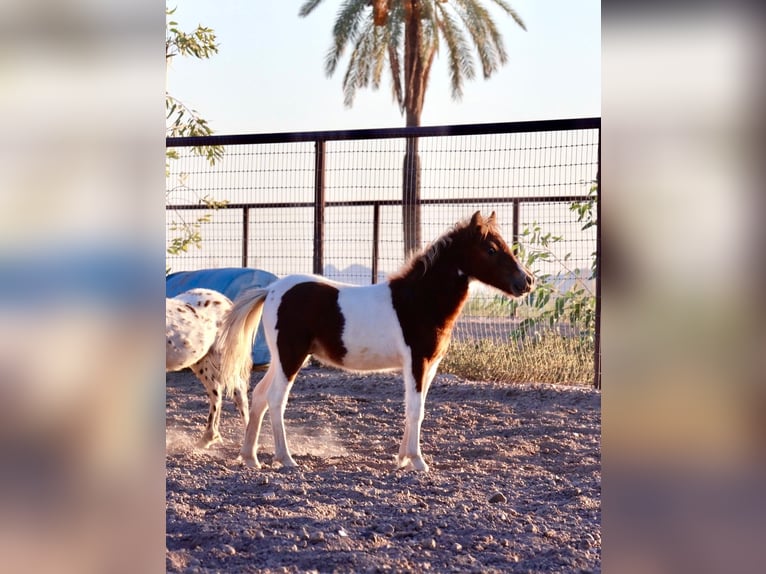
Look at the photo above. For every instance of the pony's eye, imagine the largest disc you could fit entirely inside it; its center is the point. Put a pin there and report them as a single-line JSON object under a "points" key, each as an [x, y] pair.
{"points": [[491, 250]]}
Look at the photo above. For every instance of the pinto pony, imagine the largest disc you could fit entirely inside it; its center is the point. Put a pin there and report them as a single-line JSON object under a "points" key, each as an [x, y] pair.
{"points": [[192, 322], [404, 323]]}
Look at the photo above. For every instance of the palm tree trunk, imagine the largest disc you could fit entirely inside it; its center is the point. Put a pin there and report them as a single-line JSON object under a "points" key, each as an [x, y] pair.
{"points": [[413, 103], [411, 198]]}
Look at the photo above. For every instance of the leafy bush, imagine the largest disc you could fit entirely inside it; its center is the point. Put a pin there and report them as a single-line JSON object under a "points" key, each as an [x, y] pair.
{"points": [[554, 336]]}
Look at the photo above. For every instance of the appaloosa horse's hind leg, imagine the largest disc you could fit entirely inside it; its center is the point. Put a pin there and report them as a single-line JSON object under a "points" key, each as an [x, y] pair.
{"points": [[240, 400], [205, 373]]}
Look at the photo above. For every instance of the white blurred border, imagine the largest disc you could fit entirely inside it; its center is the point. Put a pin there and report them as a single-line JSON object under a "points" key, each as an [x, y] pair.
{"points": [[82, 261], [683, 316]]}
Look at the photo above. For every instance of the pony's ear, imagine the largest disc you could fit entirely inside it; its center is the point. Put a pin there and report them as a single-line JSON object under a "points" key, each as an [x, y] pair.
{"points": [[491, 219], [477, 220]]}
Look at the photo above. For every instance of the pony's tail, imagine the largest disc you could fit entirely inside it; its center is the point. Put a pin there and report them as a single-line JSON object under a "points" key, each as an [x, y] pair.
{"points": [[235, 341]]}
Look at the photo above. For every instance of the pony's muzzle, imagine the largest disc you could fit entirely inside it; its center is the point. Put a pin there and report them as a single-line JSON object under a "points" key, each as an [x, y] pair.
{"points": [[523, 284]]}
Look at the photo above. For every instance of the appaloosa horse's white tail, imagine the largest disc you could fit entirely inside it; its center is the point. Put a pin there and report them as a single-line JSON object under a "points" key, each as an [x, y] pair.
{"points": [[193, 320]]}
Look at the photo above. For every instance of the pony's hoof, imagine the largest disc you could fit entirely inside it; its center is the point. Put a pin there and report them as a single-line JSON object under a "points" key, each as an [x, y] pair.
{"points": [[207, 442], [287, 464], [412, 463], [250, 461]]}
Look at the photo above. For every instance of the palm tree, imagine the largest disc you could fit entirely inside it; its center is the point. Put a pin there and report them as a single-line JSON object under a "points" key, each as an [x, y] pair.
{"points": [[407, 35]]}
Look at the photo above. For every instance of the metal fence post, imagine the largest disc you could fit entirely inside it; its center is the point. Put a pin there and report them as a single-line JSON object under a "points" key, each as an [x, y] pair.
{"points": [[319, 205], [375, 240], [245, 233], [597, 334], [515, 238]]}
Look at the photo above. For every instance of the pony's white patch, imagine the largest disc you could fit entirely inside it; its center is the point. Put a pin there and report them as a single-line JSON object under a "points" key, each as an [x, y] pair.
{"points": [[372, 334]]}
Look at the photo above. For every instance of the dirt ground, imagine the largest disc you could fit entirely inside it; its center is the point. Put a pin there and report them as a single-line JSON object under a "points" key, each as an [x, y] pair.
{"points": [[514, 485]]}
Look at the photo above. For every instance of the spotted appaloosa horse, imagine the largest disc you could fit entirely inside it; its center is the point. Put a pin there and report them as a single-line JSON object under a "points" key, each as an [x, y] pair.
{"points": [[193, 320], [404, 323]]}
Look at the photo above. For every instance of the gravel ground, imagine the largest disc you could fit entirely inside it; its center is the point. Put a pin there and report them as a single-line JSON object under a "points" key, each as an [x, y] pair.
{"points": [[514, 485]]}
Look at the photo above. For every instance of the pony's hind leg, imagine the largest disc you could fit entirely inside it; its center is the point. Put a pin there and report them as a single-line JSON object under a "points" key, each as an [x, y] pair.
{"points": [[277, 397], [259, 404]]}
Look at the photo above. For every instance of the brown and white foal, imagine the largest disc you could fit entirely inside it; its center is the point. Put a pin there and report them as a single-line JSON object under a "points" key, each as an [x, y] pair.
{"points": [[402, 324]]}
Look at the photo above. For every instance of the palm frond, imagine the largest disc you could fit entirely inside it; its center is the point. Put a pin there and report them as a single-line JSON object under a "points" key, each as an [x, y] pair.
{"points": [[380, 41], [345, 31], [358, 72], [483, 32], [429, 41], [396, 75], [308, 7], [512, 13], [395, 27], [459, 55], [496, 37]]}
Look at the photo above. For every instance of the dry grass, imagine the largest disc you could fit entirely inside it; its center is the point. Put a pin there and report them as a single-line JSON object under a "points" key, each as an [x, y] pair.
{"points": [[548, 358]]}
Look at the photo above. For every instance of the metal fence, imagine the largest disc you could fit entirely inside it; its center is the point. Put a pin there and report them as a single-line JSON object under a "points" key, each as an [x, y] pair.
{"points": [[331, 203]]}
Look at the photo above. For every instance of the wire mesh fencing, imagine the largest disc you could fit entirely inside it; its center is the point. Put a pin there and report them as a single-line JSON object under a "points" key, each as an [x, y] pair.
{"points": [[331, 203]]}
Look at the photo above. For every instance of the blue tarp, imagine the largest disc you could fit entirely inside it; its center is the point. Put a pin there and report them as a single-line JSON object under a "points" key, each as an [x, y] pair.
{"points": [[231, 282]]}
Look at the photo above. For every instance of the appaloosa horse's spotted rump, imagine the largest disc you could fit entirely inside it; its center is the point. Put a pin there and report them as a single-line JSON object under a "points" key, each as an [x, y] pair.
{"points": [[404, 323], [193, 320]]}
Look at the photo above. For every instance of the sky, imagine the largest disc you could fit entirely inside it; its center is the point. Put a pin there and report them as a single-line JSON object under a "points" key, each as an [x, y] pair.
{"points": [[268, 75]]}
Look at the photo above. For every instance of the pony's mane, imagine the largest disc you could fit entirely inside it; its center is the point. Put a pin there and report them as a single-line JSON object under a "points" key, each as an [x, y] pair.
{"points": [[430, 254]]}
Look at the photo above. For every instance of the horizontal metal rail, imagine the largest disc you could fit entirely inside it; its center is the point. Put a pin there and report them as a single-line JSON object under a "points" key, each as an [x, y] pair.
{"points": [[389, 202], [376, 204], [389, 133]]}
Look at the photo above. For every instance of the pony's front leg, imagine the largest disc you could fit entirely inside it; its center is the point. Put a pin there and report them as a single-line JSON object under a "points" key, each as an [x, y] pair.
{"points": [[277, 396], [410, 455], [409, 451], [249, 449]]}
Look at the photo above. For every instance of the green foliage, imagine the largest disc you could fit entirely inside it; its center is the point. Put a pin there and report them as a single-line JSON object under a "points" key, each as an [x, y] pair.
{"points": [[182, 121], [554, 339], [199, 44], [497, 306], [585, 210], [546, 304], [188, 232]]}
